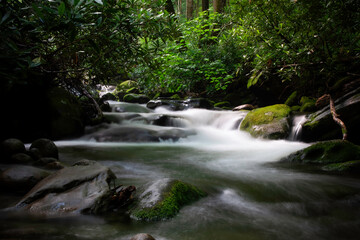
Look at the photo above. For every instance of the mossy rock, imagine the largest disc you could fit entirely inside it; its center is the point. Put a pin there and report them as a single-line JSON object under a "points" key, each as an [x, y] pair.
{"points": [[327, 152], [348, 167], [270, 122], [163, 200], [224, 104], [307, 104], [126, 85], [175, 97], [136, 98], [291, 100], [295, 108]]}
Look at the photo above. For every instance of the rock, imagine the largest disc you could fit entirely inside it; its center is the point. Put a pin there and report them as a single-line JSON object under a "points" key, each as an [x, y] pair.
{"points": [[224, 104], [66, 116], [46, 147], [10, 147], [21, 178], [21, 158], [163, 199], [307, 104], [142, 236], [49, 163], [137, 134], [270, 122], [244, 107], [70, 191], [179, 105], [327, 152], [136, 98], [105, 107], [106, 97], [320, 125], [347, 167]]}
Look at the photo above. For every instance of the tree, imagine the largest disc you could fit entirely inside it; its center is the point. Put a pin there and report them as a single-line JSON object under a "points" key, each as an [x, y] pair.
{"points": [[205, 5], [189, 9], [219, 5]]}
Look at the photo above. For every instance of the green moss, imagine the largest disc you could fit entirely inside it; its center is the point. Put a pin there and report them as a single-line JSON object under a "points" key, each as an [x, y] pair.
{"points": [[295, 108], [126, 85], [291, 99], [350, 166], [335, 151], [179, 194], [175, 97], [265, 115], [222, 104], [135, 98]]}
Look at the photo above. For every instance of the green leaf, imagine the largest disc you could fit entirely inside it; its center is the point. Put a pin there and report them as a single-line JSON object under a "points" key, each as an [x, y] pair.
{"points": [[61, 8], [6, 16]]}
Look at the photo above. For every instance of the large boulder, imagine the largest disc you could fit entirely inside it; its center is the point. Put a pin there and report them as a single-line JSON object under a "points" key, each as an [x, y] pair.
{"points": [[163, 199], [334, 155], [46, 148], [10, 147], [66, 119], [83, 188], [270, 122], [21, 178], [320, 125], [142, 236]]}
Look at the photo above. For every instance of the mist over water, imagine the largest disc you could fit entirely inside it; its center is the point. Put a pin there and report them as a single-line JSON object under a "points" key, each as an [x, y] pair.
{"points": [[248, 196]]}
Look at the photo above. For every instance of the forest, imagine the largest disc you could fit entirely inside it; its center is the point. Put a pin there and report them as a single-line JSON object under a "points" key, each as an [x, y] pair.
{"points": [[180, 119]]}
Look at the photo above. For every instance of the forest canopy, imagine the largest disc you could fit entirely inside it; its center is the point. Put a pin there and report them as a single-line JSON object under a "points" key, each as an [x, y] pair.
{"points": [[181, 46]]}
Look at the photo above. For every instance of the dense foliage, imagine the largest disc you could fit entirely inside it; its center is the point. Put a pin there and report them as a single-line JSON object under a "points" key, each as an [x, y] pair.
{"points": [[302, 44]]}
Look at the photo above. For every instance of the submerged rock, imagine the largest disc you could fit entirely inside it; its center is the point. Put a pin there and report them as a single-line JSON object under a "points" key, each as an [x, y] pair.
{"points": [[140, 134], [270, 122], [163, 200], [71, 191]]}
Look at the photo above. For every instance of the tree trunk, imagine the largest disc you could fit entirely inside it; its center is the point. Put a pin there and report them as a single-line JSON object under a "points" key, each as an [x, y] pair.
{"points": [[179, 7], [169, 7], [219, 5], [205, 5], [189, 9]]}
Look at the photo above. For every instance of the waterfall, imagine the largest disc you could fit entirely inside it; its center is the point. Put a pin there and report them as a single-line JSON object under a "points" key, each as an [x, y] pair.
{"points": [[297, 124]]}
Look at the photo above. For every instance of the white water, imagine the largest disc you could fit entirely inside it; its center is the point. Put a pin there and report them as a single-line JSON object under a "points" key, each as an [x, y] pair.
{"points": [[297, 124], [248, 197]]}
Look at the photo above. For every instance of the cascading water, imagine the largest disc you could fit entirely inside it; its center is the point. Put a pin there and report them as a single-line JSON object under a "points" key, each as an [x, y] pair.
{"points": [[248, 197], [297, 124]]}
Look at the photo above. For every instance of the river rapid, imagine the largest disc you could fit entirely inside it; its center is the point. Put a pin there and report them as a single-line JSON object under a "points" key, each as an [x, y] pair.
{"points": [[249, 197]]}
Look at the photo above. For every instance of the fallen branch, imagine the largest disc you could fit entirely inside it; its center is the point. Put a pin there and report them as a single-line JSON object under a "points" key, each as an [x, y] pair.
{"points": [[337, 119]]}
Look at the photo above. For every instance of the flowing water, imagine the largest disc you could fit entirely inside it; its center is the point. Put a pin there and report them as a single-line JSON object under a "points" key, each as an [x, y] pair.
{"points": [[248, 196]]}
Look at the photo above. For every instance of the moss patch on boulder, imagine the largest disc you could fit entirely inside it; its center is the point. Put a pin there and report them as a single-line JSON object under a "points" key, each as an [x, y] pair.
{"points": [[327, 152], [268, 122], [291, 100], [173, 196], [350, 166], [136, 98]]}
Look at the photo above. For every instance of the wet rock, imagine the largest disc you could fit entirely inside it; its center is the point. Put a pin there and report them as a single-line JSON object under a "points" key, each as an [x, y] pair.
{"points": [[21, 178], [138, 134], [49, 163], [46, 147], [142, 236], [320, 125], [136, 98], [21, 158], [163, 199], [244, 107], [10, 147], [105, 107], [334, 155], [70, 191], [179, 105], [106, 97], [270, 122]]}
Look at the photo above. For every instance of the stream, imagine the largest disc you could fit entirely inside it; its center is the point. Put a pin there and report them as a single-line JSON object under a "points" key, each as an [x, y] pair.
{"points": [[249, 197]]}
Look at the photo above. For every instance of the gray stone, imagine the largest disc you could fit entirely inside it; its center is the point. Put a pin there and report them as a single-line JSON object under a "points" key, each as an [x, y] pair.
{"points": [[142, 236], [46, 147], [70, 191], [22, 178]]}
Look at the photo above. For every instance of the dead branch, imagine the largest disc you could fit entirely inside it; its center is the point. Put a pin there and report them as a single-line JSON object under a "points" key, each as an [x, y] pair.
{"points": [[337, 119]]}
